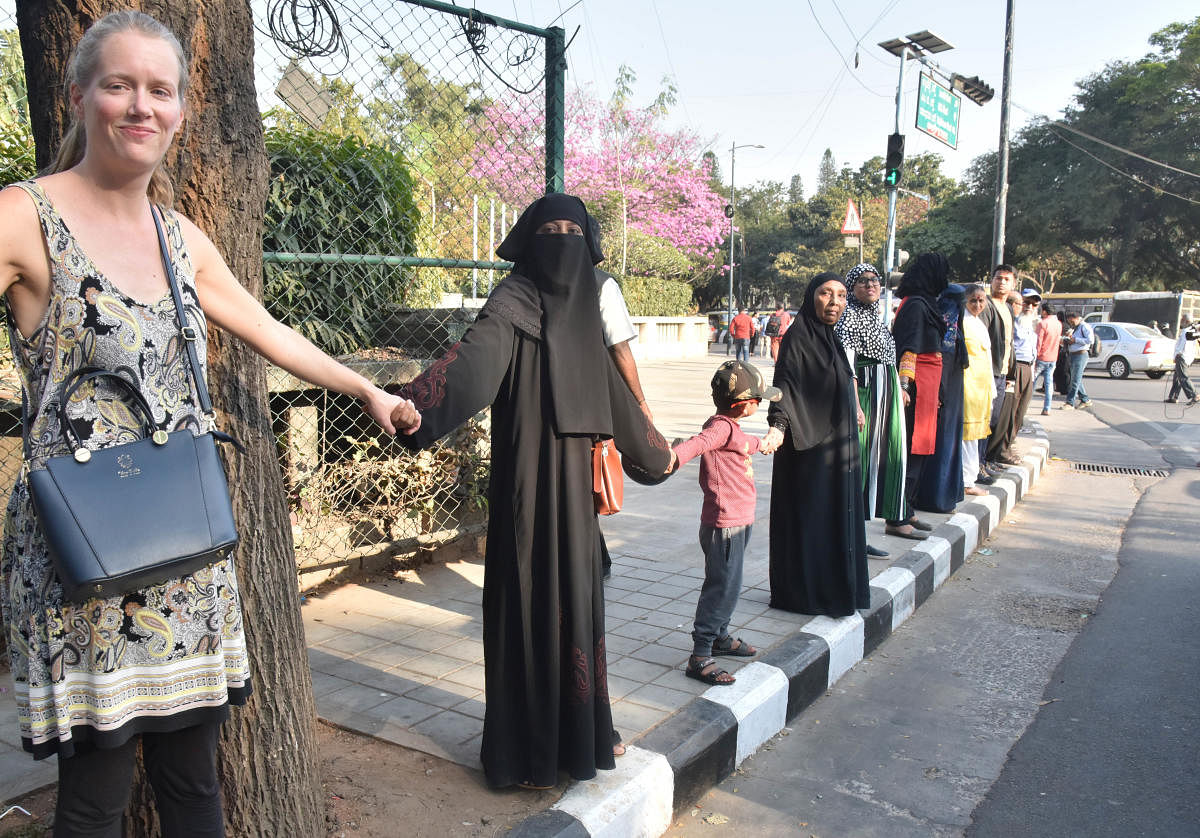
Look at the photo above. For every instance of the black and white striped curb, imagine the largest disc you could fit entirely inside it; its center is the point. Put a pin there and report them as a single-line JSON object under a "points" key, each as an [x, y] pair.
{"points": [[676, 762]]}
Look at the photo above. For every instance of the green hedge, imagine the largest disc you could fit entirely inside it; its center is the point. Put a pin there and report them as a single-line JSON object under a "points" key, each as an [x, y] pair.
{"points": [[337, 195], [647, 296]]}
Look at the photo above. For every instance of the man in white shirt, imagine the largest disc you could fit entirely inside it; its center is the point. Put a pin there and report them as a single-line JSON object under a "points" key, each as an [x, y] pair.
{"points": [[1185, 353], [618, 331]]}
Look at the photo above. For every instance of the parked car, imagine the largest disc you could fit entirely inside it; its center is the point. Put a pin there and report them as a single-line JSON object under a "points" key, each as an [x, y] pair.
{"points": [[1132, 347]]}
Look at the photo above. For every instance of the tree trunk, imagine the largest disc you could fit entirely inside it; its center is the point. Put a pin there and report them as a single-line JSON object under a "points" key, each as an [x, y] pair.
{"points": [[269, 765]]}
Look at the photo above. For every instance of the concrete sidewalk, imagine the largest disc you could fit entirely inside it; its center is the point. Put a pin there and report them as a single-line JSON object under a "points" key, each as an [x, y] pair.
{"points": [[402, 659]]}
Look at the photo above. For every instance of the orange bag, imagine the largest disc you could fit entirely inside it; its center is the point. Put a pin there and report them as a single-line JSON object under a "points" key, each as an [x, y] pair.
{"points": [[608, 484]]}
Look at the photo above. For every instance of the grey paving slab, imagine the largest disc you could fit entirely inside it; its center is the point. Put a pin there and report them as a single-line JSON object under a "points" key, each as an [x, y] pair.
{"points": [[471, 676], [661, 655]]}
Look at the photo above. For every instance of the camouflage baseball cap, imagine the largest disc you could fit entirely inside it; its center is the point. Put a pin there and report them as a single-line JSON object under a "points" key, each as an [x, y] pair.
{"points": [[737, 381]]}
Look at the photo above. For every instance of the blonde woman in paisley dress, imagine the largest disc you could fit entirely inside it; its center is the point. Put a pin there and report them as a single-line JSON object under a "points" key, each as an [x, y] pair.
{"points": [[82, 274]]}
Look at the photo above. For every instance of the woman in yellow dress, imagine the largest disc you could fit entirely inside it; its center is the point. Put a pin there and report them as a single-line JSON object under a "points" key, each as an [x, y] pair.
{"points": [[979, 388]]}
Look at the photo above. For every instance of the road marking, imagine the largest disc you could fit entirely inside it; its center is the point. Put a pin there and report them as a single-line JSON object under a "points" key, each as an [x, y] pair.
{"points": [[1164, 432]]}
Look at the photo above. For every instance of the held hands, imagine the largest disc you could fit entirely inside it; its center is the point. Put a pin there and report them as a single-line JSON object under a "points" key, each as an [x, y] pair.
{"points": [[391, 413], [674, 464], [771, 441]]}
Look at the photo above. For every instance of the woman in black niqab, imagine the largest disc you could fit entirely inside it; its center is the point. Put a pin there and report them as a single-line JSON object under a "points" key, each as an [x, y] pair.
{"points": [[919, 330], [536, 354], [818, 547]]}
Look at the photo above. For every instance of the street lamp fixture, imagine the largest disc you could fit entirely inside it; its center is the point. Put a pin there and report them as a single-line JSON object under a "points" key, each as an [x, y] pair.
{"points": [[729, 211], [918, 45]]}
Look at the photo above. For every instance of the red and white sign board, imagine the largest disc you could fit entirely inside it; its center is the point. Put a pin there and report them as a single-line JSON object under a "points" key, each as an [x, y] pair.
{"points": [[853, 225]]}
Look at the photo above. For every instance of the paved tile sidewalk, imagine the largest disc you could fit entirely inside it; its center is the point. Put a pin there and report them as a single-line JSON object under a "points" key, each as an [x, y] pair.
{"points": [[404, 661]]}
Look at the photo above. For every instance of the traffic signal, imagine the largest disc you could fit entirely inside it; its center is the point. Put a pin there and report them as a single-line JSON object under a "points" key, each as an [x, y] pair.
{"points": [[895, 160]]}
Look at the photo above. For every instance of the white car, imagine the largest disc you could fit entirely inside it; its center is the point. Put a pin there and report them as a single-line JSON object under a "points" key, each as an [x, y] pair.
{"points": [[1132, 347]]}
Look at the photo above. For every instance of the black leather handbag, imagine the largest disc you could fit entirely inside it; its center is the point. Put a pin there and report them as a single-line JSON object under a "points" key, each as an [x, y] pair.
{"points": [[119, 518]]}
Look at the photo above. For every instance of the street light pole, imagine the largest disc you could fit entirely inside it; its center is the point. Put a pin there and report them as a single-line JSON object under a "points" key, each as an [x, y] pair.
{"points": [[998, 228], [733, 147]]}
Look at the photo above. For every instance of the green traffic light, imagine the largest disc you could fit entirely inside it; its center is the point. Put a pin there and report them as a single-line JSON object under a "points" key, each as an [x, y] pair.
{"points": [[892, 177]]}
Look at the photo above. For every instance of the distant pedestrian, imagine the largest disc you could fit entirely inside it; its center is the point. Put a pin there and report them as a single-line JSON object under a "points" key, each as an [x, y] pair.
{"points": [[727, 515], [1185, 353], [776, 328], [741, 330], [1078, 343], [1048, 332]]}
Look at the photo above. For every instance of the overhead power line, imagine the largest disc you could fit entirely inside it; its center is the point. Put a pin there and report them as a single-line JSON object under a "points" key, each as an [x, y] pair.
{"points": [[1060, 124], [833, 44], [1123, 173]]}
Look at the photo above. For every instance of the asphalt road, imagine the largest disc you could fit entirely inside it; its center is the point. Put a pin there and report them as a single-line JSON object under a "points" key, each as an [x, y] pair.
{"points": [[1112, 751], [1135, 407]]}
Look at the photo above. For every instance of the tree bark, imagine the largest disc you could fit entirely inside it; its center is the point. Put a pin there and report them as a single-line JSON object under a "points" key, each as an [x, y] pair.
{"points": [[268, 754]]}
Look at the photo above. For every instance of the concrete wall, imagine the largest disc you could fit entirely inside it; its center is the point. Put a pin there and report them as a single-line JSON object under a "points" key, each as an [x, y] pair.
{"points": [[661, 338]]}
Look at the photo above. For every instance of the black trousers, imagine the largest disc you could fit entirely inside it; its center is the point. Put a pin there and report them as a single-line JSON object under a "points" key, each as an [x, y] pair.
{"points": [[1179, 380], [93, 786]]}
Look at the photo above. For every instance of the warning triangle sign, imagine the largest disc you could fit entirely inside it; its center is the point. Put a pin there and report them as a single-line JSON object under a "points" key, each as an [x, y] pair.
{"points": [[853, 225]]}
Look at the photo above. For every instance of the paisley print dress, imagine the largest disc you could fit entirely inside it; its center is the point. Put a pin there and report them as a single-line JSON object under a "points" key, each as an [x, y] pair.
{"points": [[157, 659]]}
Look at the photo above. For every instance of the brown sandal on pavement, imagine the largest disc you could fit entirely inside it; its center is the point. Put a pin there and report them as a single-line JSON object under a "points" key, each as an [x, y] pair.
{"points": [[705, 669]]}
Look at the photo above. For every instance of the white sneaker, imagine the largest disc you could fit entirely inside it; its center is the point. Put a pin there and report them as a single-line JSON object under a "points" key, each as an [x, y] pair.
{"points": [[1067, 407]]}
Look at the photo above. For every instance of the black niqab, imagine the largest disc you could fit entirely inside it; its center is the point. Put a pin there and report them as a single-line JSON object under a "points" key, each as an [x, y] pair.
{"points": [[561, 267], [919, 326], [810, 361]]}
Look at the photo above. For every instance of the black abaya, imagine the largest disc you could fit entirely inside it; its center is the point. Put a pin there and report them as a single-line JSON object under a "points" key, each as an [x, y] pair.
{"points": [[543, 604], [818, 547]]}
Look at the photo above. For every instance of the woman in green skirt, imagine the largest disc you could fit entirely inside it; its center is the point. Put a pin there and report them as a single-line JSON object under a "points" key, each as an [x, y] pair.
{"points": [[872, 352]]}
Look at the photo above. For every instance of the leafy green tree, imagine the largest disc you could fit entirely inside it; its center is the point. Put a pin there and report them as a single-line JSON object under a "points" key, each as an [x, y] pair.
{"points": [[826, 172], [332, 194], [16, 138], [795, 190]]}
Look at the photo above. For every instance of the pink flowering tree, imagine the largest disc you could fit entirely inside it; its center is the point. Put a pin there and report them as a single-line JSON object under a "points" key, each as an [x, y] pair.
{"points": [[633, 173]]}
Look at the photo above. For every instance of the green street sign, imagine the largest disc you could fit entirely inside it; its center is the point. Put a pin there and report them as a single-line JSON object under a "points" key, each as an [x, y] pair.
{"points": [[937, 111]]}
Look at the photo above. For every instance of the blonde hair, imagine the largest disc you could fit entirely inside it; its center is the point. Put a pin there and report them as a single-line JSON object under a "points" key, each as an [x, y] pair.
{"points": [[82, 71]]}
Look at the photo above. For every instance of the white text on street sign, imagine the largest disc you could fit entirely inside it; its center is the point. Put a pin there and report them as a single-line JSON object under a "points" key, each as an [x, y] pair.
{"points": [[937, 111]]}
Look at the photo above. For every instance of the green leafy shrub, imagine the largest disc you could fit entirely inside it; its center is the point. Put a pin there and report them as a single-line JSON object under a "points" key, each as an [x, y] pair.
{"points": [[334, 194], [648, 296]]}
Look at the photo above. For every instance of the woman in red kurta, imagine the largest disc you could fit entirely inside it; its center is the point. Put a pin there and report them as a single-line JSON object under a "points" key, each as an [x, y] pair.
{"points": [[918, 330]]}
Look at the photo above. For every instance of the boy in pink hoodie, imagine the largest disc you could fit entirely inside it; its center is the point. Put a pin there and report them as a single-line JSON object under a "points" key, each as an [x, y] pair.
{"points": [[727, 515]]}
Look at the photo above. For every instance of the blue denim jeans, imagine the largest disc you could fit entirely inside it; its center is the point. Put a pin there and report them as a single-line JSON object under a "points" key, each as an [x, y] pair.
{"points": [[1075, 390], [724, 550], [742, 346], [1045, 374]]}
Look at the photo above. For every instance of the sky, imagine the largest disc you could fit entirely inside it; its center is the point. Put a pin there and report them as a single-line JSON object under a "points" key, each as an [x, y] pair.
{"points": [[763, 71]]}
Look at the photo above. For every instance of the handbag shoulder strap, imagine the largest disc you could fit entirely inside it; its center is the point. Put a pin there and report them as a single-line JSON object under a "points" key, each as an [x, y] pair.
{"points": [[190, 336]]}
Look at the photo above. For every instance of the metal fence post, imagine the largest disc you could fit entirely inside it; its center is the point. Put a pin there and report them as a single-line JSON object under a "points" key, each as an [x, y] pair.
{"points": [[556, 107]]}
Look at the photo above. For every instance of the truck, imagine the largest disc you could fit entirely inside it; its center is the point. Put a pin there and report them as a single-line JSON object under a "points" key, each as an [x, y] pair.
{"points": [[1164, 309]]}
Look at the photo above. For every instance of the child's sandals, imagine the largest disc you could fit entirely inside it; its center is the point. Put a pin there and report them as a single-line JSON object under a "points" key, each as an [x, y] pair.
{"points": [[733, 647], [705, 669]]}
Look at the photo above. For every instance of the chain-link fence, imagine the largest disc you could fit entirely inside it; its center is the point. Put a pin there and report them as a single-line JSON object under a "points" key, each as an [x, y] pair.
{"points": [[403, 138]]}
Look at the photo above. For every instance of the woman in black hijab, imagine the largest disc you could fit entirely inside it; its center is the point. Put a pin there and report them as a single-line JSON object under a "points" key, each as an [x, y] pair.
{"points": [[536, 354], [918, 330], [818, 538]]}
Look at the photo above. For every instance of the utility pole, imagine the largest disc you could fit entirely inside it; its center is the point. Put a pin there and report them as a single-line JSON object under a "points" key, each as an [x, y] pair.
{"points": [[1002, 157]]}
